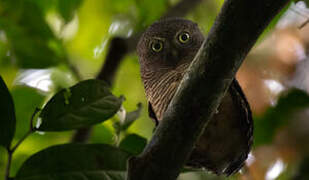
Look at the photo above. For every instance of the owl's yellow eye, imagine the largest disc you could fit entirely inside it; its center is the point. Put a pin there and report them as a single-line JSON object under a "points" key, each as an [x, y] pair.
{"points": [[184, 37], [157, 46]]}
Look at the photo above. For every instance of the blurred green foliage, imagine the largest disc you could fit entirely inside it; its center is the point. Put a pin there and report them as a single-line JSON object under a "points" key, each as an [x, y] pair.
{"points": [[279, 116], [56, 35], [30, 38]]}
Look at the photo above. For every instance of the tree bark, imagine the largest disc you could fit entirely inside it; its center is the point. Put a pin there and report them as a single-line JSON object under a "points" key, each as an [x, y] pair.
{"points": [[233, 34]]}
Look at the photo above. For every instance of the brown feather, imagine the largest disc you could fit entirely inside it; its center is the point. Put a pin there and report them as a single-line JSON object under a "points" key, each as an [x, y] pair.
{"points": [[225, 143]]}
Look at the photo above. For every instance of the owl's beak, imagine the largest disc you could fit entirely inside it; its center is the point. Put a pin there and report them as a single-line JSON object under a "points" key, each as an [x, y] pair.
{"points": [[175, 53], [174, 56]]}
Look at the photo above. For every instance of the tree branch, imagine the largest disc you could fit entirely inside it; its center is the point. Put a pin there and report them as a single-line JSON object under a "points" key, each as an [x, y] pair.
{"points": [[119, 47], [233, 34]]}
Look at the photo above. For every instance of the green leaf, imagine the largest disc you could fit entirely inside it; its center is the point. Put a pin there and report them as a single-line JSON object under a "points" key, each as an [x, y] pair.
{"points": [[76, 161], [133, 143], [84, 104], [278, 116], [129, 119], [67, 8], [7, 113]]}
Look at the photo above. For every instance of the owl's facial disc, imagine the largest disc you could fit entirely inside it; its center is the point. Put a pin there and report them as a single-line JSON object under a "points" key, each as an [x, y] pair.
{"points": [[168, 44]]}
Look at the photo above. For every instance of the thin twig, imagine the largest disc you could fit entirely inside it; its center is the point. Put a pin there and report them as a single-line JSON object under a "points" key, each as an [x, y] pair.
{"points": [[8, 165], [300, 13], [303, 24]]}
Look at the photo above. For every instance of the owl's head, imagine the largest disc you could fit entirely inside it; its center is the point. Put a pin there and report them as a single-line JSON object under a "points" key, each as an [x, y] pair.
{"points": [[168, 43], [165, 51]]}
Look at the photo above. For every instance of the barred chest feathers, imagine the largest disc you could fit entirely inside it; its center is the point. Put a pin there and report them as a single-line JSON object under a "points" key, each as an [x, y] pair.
{"points": [[161, 86]]}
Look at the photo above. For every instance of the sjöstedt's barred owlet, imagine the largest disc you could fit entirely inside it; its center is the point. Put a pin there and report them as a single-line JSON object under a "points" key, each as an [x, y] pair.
{"points": [[165, 51]]}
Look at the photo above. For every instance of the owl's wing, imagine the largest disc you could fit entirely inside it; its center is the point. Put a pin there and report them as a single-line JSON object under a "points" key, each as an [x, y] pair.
{"points": [[247, 125], [152, 114]]}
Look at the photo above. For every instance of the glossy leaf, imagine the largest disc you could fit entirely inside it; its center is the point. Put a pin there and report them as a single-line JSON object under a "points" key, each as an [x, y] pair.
{"points": [[76, 161], [278, 116], [7, 113], [133, 143], [84, 104]]}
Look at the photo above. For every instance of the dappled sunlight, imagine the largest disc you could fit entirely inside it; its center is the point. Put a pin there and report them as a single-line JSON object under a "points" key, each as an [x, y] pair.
{"points": [[64, 31], [45, 80], [3, 36], [250, 159], [98, 50], [296, 15], [274, 86], [40, 79], [275, 170], [275, 89], [121, 27]]}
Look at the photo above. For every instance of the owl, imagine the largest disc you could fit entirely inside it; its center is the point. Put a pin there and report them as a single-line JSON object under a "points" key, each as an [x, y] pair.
{"points": [[165, 51]]}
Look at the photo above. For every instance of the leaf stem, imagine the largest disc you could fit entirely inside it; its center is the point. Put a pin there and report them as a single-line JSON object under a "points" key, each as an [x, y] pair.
{"points": [[13, 149], [21, 141], [8, 166], [11, 152]]}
